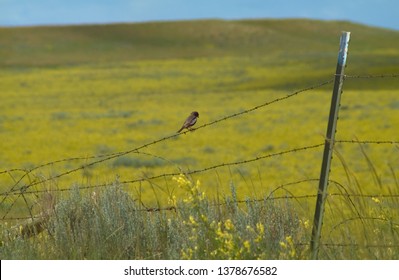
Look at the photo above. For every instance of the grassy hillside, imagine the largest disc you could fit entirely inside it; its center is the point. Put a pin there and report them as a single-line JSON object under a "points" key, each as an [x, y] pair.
{"points": [[66, 45], [309, 42]]}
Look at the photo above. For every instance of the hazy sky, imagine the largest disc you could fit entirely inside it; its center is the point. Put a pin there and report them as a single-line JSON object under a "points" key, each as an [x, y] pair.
{"points": [[383, 13]]}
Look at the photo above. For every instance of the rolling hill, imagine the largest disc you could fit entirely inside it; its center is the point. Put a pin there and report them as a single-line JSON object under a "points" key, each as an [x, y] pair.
{"points": [[290, 40]]}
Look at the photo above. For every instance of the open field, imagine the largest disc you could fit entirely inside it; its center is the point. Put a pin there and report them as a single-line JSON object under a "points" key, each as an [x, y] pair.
{"points": [[83, 91]]}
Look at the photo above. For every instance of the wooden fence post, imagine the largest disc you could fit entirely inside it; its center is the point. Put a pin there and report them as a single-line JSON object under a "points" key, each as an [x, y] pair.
{"points": [[329, 144]]}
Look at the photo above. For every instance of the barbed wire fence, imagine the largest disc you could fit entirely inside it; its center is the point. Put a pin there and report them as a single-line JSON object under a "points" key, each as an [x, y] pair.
{"points": [[20, 190]]}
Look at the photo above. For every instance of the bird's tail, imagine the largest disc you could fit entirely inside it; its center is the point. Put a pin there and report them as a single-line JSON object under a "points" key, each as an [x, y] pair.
{"points": [[181, 129]]}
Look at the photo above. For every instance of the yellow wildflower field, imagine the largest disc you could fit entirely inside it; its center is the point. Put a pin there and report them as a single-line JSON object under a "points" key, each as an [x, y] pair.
{"points": [[51, 114]]}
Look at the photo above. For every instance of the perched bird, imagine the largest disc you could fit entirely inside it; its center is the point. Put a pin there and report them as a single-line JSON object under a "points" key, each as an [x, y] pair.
{"points": [[190, 121]]}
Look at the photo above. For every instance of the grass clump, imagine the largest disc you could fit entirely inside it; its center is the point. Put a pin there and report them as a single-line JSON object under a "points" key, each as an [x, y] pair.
{"points": [[109, 224]]}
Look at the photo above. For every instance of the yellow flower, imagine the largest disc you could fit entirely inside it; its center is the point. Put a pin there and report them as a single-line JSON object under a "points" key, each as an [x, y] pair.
{"points": [[172, 200], [305, 223], [193, 221], [187, 254], [247, 245], [228, 224], [260, 228], [376, 200], [181, 180]]}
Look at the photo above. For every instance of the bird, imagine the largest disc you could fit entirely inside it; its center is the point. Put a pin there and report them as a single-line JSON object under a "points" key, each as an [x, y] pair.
{"points": [[190, 121]]}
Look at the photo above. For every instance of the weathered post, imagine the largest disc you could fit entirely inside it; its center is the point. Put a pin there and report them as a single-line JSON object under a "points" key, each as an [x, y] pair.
{"points": [[329, 144]]}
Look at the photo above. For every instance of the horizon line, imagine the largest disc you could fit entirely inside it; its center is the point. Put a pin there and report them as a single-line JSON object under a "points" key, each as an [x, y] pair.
{"points": [[94, 23]]}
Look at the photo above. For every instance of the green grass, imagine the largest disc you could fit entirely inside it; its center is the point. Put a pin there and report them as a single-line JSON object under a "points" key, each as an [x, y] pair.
{"points": [[83, 91], [109, 224]]}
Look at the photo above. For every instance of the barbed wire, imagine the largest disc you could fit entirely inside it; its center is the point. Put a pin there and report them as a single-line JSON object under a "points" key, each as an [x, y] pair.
{"points": [[244, 201], [271, 197], [267, 103], [368, 141], [371, 76], [24, 189]]}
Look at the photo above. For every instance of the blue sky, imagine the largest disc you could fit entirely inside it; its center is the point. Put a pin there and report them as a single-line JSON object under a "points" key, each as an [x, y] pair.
{"points": [[382, 13]]}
